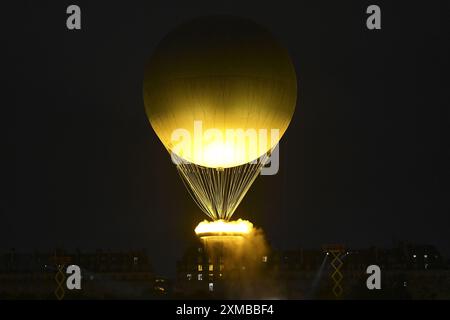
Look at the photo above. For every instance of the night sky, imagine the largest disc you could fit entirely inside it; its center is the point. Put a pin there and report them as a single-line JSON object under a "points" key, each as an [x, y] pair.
{"points": [[364, 162]]}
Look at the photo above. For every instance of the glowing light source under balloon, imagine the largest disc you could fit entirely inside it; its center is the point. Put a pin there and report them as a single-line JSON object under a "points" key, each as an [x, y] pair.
{"points": [[221, 228]]}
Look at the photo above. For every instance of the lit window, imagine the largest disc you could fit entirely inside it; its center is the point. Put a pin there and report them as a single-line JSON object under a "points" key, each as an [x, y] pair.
{"points": [[189, 276], [200, 277], [211, 286], [199, 249], [264, 258], [425, 256], [414, 256], [221, 267], [220, 275], [211, 267], [135, 260], [211, 275], [200, 267]]}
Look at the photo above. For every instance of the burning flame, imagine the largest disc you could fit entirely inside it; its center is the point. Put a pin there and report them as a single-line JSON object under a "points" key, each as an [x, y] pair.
{"points": [[222, 227]]}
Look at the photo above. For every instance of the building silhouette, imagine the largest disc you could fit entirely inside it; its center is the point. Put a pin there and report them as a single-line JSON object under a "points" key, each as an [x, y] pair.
{"points": [[409, 271], [105, 275]]}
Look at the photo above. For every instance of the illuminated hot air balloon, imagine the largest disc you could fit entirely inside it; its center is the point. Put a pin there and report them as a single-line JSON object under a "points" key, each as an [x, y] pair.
{"points": [[219, 92]]}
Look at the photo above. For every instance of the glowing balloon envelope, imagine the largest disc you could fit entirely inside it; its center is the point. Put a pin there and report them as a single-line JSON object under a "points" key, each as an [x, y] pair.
{"points": [[219, 92]]}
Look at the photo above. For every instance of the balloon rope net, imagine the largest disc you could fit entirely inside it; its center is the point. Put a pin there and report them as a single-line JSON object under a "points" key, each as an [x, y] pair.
{"points": [[218, 191]]}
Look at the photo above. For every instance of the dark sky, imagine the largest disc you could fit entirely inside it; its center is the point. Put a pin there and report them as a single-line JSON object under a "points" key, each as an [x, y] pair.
{"points": [[364, 162]]}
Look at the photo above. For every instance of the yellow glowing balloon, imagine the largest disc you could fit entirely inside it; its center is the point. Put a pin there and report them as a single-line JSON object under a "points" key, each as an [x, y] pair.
{"points": [[220, 91]]}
